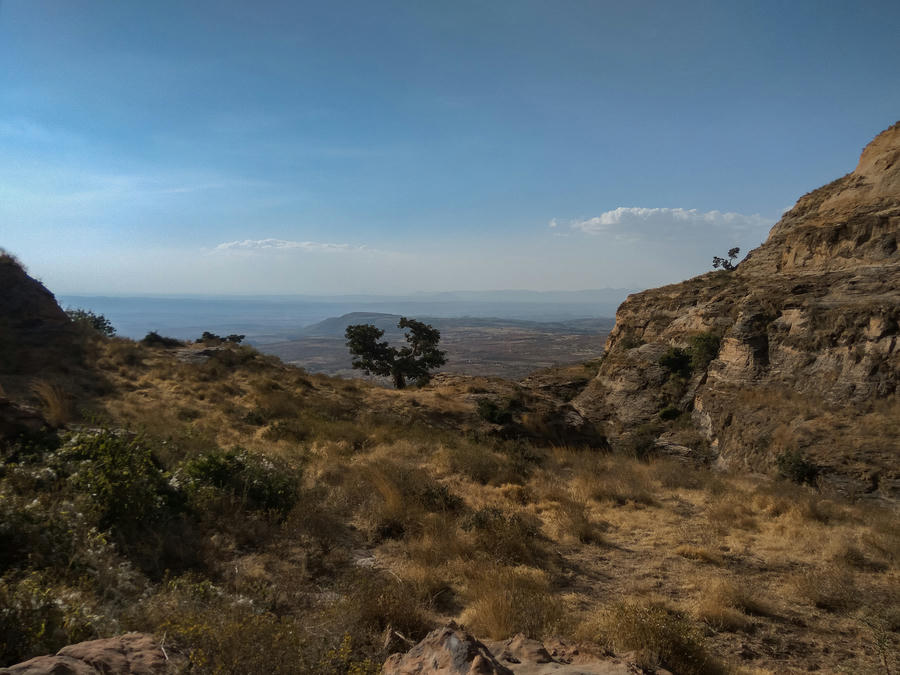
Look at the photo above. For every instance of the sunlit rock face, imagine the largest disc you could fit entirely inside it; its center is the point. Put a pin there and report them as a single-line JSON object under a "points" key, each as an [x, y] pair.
{"points": [[808, 358]]}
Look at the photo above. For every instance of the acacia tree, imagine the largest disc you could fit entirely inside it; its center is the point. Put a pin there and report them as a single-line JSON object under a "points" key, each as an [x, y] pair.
{"points": [[375, 357], [727, 263]]}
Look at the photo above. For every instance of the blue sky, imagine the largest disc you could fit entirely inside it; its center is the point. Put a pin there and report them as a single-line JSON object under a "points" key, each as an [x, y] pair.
{"points": [[384, 147]]}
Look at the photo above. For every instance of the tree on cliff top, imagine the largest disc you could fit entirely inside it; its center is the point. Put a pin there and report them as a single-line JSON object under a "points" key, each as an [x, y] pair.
{"points": [[727, 263], [410, 362]]}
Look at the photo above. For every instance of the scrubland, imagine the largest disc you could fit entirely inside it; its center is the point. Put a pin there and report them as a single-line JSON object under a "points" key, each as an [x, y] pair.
{"points": [[262, 520]]}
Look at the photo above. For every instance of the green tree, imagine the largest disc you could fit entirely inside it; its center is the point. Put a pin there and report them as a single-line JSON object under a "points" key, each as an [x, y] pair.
{"points": [[727, 263], [376, 357], [87, 318]]}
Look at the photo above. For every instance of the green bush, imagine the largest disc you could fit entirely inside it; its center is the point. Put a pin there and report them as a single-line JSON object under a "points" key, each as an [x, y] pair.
{"points": [[92, 321], [670, 412], [793, 465], [126, 484], [704, 348], [677, 361], [154, 339], [37, 618], [258, 482], [489, 411]]}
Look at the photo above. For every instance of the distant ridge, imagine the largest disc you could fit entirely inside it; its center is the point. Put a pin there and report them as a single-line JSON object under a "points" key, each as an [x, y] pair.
{"points": [[335, 326]]}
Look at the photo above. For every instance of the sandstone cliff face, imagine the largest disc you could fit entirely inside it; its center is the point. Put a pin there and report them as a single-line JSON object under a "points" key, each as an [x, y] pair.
{"points": [[808, 358]]}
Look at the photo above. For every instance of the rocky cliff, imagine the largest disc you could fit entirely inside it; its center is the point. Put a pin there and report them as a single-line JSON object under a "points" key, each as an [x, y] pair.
{"points": [[37, 339], [793, 354]]}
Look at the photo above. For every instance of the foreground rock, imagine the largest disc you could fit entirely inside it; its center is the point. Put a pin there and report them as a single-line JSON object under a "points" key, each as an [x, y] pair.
{"points": [[132, 653], [802, 340], [446, 651], [453, 651]]}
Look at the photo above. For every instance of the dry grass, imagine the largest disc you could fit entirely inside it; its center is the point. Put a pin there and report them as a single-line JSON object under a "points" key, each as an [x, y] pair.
{"points": [[574, 523], [832, 588], [406, 514], [658, 636], [699, 553], [56, 404], [509, 600], [726, 603]]}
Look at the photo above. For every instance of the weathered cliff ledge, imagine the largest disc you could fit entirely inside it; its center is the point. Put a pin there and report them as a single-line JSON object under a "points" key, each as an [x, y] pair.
{"points": [[802, 340]]}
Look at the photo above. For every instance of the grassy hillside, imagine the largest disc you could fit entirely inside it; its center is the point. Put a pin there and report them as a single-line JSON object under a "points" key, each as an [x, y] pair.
{"points": [[264, 520]]}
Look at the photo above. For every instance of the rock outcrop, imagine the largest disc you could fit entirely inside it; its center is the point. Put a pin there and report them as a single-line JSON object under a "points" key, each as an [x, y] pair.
{"points": [[453, 651], [446, 651], [35, 333], [132, 653], [806, 350]]}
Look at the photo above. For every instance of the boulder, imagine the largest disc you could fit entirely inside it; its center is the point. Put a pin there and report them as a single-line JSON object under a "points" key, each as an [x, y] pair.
{"points": [[131, 654], [446, 651]]}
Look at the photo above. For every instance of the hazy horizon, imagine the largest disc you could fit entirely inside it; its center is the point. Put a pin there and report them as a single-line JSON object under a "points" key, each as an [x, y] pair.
{"points": [[268, 319]]}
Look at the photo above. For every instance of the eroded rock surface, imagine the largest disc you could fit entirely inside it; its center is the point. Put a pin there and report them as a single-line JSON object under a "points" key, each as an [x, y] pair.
{"points": [[446, 651], [808, 359], [453, 651], [132, 654]]}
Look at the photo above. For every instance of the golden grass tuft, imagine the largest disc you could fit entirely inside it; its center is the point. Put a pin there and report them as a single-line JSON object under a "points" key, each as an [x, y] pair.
{"points": [[726, 604], [509, 600], [55, 402], [657, 635], [573, 520]]}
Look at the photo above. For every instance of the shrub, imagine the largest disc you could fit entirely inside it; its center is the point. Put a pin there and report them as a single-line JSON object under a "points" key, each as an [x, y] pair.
{"points": [[38, 618], [91, 321], [670, 412], [126, 484], [258, 482], [489, 411], [641, 442], [704, 348], [154, 339], [793, 465], [677, 361]]}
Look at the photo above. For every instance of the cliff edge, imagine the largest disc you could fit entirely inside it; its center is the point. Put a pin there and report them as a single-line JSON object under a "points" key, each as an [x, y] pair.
{"points": [[793, 354]]}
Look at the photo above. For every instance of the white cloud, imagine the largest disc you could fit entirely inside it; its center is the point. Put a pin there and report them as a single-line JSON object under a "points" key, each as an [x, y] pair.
{"points": [[638, 223], [285, 245], [553, 223]]}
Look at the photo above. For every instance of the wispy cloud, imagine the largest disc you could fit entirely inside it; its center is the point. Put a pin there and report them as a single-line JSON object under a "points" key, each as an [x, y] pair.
{"points": [[637, 223], [257, 245]]}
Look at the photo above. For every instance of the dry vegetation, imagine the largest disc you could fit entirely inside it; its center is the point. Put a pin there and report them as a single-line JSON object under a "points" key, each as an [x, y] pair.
{"points": [[267, 521]]}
